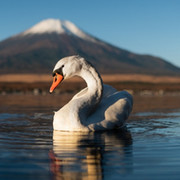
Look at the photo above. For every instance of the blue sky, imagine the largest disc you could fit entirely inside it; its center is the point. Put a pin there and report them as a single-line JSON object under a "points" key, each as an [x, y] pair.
{"points": [[141, 26]]}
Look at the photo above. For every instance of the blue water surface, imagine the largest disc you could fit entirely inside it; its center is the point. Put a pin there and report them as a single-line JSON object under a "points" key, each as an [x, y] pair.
{"points": [[149, 148]]}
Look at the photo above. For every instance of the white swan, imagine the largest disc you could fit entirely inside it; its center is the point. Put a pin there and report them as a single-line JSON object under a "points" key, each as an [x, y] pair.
{"points": [[97, 107]]}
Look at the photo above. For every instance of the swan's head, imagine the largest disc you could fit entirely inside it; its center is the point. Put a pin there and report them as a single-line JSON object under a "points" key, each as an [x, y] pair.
{"points": [[66, 68]]}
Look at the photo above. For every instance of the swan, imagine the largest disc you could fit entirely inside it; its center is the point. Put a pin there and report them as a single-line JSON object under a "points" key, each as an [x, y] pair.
{"points": [[95, 108]]}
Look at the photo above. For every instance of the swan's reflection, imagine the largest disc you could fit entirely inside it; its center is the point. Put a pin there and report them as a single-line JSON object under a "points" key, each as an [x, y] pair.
{"points": [[90, 156]]}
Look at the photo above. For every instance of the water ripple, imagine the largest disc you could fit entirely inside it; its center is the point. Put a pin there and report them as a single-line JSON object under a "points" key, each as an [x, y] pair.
{"points": [[147, 149]]}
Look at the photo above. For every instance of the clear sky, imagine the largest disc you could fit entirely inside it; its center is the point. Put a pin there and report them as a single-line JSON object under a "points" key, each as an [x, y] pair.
{"points": [[141, 26]]}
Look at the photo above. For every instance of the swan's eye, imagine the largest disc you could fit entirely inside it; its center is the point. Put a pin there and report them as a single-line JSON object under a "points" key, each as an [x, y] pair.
{"points": [[55, 78], [58, 71]]}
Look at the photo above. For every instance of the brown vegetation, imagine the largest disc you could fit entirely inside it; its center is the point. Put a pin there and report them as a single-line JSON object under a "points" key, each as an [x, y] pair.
{"points": [[135, 83], [31, 78], [32, 91]]}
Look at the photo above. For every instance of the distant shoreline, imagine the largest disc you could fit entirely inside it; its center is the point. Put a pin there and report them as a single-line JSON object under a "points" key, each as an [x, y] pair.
{"points": [[32, 78], [134, 83]]}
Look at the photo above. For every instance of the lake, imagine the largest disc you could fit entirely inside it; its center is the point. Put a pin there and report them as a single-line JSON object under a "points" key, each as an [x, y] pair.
{"points": [[149, 148]]}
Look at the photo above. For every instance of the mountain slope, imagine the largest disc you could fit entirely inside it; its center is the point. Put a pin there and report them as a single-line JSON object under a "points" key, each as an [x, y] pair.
{"points": [[37, 49]]}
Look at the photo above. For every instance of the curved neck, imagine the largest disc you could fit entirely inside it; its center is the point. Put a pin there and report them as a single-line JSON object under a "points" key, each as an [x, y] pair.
{"points": [[86, 102], [93, 81]]}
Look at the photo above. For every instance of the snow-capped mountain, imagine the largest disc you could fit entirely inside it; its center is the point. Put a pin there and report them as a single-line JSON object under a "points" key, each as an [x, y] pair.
{"points": [[57, 26], [37, 49]]}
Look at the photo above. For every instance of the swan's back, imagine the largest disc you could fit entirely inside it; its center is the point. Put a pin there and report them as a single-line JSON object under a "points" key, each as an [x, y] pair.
{"points": [[113, 110]]}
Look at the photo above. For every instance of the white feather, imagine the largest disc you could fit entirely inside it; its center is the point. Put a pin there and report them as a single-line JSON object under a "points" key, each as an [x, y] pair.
{"points": [[97, 107]]}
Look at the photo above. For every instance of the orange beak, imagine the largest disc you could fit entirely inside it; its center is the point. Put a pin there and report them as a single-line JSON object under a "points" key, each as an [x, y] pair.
{"points": [[56, 80]]}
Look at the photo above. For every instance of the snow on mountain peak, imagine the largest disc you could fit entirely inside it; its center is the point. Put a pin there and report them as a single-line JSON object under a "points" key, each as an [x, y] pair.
{"points": [[59, 27], [46, 26]]}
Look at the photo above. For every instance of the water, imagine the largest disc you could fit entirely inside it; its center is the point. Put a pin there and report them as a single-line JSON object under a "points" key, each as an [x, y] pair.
{"points": [[148, 149]]}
